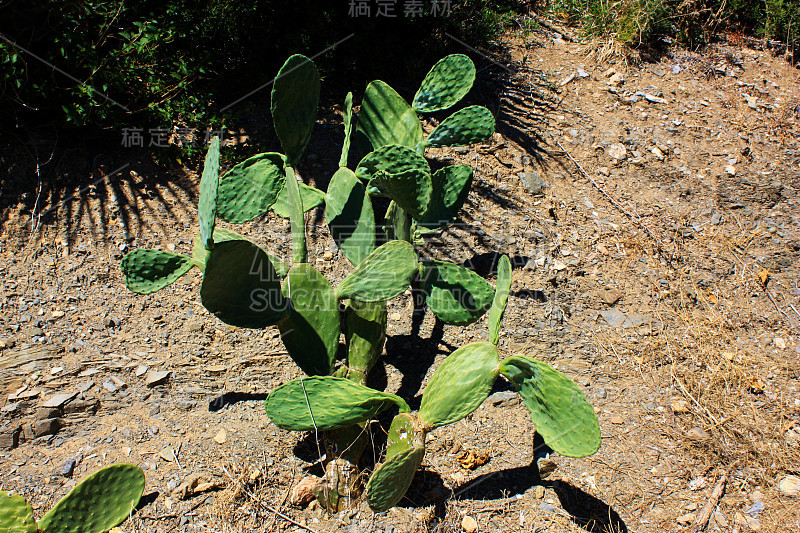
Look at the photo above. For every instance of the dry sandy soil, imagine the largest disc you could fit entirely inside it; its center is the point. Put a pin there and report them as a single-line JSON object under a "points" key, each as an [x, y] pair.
{"points": [[653, 223]]}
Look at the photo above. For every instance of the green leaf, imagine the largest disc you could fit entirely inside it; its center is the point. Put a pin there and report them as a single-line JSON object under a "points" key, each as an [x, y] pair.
{"points": [[326, 402], [348, 211], [295, 96], [392, 158], [451, 186], [391, 480], [467, 126], [559, 410], [459, 385], [16, 514], [310, 196], [500, 299], [384, 274], [385, 118], [200, 254], [209, 183], [410, 189], [347, 118], [311, 331], [445, 84], [250, 188], [240, 286], [455, 294], [147, 271], [101, 501]]}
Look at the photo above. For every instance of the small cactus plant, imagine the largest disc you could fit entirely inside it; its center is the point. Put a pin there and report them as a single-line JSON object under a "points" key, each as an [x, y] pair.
{"points": [[245, 286], [98, 503]]}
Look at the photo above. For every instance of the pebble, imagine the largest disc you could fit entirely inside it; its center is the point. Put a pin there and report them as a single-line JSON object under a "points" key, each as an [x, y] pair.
{"points": [[680, 407], [616, 420], [59, 399], [617, 79], [328, 255], [609, 296], [532, 182], [617, 151], [141, 370], [790, 486], [58, 313], [698, 435], [469, 524], [686, 519], [157, 377], [68, 468], [504, 398], [221, 437]]}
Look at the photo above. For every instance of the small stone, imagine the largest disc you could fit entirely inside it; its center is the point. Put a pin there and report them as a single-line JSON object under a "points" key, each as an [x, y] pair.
{"points": [[790, 486], [504, 398], [617, 79], [538, 492], [50, 426], [753, 523], [680, 407], [779, 343], [616, 420], [654, 99], [221, 437], [720, 520], [141, 370], [109, 386], [303, 493], [9, 437], [609, 296], [59, 399], [328, 255], [157, 377], [730, 169], [603, 171], [68, 468], [686, 519], [532, 182], [216, 369], [43, 413], [58, 313], [617, 151], [697, 434], [168, 454], [546, 467], [469, 524]]}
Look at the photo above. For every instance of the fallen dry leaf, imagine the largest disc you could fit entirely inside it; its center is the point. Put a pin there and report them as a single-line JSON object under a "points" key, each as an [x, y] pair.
{"points": [[471, 460]]}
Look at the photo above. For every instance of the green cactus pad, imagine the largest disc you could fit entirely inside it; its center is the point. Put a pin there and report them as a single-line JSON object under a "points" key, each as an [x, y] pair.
{"points": [[467, 126], [16, 514], [559, 410], [240, 286], [455, 294], [398, 225], [411, 189], [365, 333], [311, 331], [446, 84], [390, 481], [451, 186], [347, 118], [500, 299], [384, 274], [295, 96], [385, 118], [348, 211], [209, 182], [200, 254], [101, 501], [459, 385], [392, 158], [406, 431], [326, 402], [311, 197], [250, 188], [147, 271]]}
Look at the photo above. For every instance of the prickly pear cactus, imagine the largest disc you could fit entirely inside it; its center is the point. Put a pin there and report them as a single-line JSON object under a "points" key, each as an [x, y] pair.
{"points": [[455, 294], [250, 188], [446, 84], [451, 186], [392, 158], [207, 206], [365, 334], [16, 514], [467, 126], [326, 402], [384, 274], [350, 217], [101, 501], [295, 95], [390, 481], [385, 118], [146, 271], [500, 299]]}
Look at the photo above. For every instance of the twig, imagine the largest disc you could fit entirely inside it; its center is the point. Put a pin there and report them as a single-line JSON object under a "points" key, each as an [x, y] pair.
{"points": [[701, 521], [567, 35], [687, 393], [266, 505], [771, 299], [635, 220]]}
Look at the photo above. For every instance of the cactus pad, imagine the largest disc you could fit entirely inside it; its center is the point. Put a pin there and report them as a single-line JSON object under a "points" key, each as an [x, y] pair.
{"points": [[460, 384], [200, 254], [451, 186], [390, 481], [500, 299], [101, 501], [559, 410], [348, 211], [207, 206], [392, 158], [16, 515], [326, 402], [455, 294], [347, 118], [365, 333], [240, 286], [147, 271], [311, 331], [384, 274], [250, 188], [467, 126], [446, 84], [406, 431], [311, 197], [385, 118], [410, 189], [295, 96]]}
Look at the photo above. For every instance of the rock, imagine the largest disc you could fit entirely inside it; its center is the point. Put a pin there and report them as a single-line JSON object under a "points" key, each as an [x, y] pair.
{"points": [[614, 317], [654, 99], [532, 182], [168, 454], [195, 484], [303, 492], [753, 523], [469, 524], [609, 296], [68, 468], [328, 255], [686, 519], [58, 313], [40, 428], [680, 407], [221, 437], [141, 370], [720, 520], [89, 405], [157, 377], [9, 437], [779, 343], [538, 492], [603, 171], [617, 79], [112, 322], [617, 151], [504, 398], [59, 400], [755, 509], [43, 413], [616, 420], [546, 507], [789, 486], [546, 467], [697, 434], [110, 387], [730, 170]]}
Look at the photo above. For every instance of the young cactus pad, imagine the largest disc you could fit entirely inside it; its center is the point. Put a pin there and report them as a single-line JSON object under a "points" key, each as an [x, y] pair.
{"points": [[384, 274], [469, 125], [101, 501], [326, 402], [385, 118], [446, 84], [207, 206], [390, 481], [250, 188], [147, 271], [295, 96], [455, 294], [350, 217], [16, 514], [500, 299]]}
